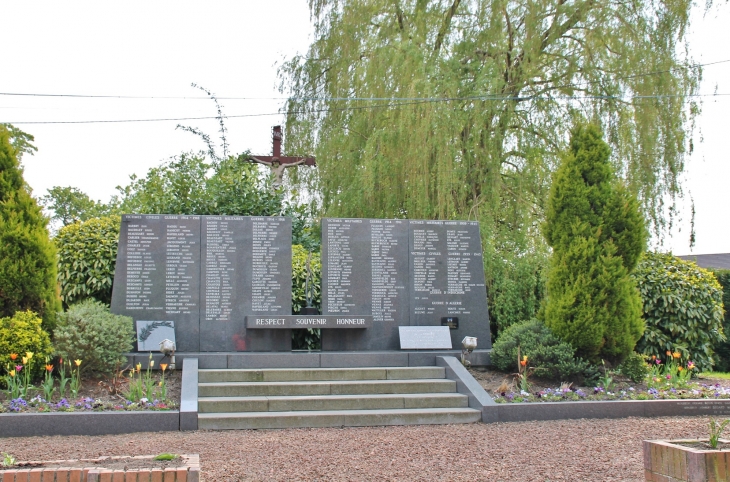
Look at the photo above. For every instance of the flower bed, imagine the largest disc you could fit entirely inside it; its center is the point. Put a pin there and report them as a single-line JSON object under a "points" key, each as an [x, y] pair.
{"points": [[692, 391], [88, 404]]}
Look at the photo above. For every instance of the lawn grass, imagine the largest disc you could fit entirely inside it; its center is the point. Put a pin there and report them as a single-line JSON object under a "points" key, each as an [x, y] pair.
{"points": [[721, 375]]}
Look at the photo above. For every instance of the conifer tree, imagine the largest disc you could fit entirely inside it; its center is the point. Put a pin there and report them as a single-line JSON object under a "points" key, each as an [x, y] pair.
{"points": [[27, 256], [597, 234]]}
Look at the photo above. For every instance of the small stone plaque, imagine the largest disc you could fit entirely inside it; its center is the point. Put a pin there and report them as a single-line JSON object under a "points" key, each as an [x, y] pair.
{"points": [[304, 321], [424, 337], [151, 333]]}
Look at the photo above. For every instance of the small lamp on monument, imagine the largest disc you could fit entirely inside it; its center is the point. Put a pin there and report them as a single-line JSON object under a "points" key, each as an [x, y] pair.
{"points": [[469, 343], [167, 348]]}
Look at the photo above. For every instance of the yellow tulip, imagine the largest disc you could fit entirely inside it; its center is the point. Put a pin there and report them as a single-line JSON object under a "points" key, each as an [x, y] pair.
{"points": [[676, 354], [29, 354], [139, 366], [12, 373], [163, 366], [25, 360], [77, 362], [152, 363]]}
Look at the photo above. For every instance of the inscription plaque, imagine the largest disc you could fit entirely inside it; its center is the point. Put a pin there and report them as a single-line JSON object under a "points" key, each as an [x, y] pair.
{"points": [[448, 277], [365, 272], [316, 321], [403, 273], [425, 338], [151, 333], [206, 273]]}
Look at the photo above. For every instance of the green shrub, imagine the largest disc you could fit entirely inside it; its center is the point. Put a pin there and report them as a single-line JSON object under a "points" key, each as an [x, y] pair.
{"points": [[27, 256], [551, 357], [89, 332], [23, 333], [597, 234], [722, 349], [635, 367], [309, 338], [682, 309], [87, 254]]}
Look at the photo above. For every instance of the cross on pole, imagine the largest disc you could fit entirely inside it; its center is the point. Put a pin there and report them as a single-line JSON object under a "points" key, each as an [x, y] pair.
{"points": [[277, 163]]}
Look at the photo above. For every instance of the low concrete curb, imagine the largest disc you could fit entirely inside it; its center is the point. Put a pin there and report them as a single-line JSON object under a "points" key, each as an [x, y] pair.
{"points": [[189, 395], [522, 412], [467, 385], [86, 423]]}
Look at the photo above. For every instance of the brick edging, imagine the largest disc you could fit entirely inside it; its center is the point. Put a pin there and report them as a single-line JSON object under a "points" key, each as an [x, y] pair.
{"points": [[188, 472]]}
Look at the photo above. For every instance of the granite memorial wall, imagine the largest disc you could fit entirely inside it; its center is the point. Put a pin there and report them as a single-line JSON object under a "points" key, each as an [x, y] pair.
{"points": [[225, 281], [206, 273]]}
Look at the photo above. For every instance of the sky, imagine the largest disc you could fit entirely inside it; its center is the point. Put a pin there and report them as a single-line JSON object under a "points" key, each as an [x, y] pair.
{"points": [[233, 48]]}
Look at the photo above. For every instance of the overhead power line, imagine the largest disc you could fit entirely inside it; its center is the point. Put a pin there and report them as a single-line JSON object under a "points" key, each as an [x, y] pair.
{"points": [[388, 104], [90, 96]]}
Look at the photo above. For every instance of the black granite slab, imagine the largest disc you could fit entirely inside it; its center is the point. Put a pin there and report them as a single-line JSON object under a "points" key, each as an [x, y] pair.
{"points": [[447, 278], [157, 275], [365, 272]]}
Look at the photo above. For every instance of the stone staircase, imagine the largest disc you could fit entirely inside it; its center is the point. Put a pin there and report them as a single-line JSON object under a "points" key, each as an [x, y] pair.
{"points": [[329, 397]]}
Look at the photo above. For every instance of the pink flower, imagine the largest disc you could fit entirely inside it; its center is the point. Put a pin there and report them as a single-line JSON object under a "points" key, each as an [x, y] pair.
{"points": [[18, 368]]}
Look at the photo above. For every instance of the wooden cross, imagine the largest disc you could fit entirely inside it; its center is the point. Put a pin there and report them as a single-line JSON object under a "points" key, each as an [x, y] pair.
{"points": [[277, 163]]}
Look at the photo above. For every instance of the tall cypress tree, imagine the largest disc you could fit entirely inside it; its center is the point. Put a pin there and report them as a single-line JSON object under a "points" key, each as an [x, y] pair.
{"points": [[27, 256], [597, 234]]}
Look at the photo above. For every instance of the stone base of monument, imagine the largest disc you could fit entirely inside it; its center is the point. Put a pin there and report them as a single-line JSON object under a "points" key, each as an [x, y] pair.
{"points": [[332, 397], [314, 359]]}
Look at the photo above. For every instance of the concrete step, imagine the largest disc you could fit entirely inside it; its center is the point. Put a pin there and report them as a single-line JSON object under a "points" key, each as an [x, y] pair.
{"points": [[298, 388], [313, 374], [349, 387], [336, 418], [331, 402]]}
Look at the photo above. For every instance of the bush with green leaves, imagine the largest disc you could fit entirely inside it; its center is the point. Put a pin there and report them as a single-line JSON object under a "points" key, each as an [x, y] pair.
{"points": [[21, 333], [87, 254], [27, 255], [551, 357], [597, 233], [89, 332], [635, 367], [309, 338], [682, 306], [722, 349]]}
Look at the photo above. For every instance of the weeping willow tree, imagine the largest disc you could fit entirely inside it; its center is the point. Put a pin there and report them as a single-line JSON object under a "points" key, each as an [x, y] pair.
{"points": [[449, 109]]}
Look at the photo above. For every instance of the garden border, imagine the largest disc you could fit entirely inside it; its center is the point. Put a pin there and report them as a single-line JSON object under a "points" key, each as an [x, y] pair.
{"points": [[111, 423]]}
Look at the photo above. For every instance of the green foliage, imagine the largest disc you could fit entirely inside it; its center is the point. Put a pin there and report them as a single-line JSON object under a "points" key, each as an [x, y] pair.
{"points": [[89, 332], [299, 278], [21, 333], [491, 126], [682, 309], [516, 287], [70, 205], [551, 357], [635, 367], [597, 234], [722, 349], [87, 254], [27, 256], [307, 339]]}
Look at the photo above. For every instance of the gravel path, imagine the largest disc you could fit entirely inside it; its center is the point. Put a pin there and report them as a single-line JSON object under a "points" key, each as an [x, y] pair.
{"points": [[576, 450]]}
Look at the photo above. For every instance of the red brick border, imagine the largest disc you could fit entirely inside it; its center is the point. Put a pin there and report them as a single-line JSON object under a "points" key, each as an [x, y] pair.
{"points": [[189, 472]]}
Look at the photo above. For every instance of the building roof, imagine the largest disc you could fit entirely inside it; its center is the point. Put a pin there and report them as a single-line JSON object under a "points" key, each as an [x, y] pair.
{"points": [[717, 261]]}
